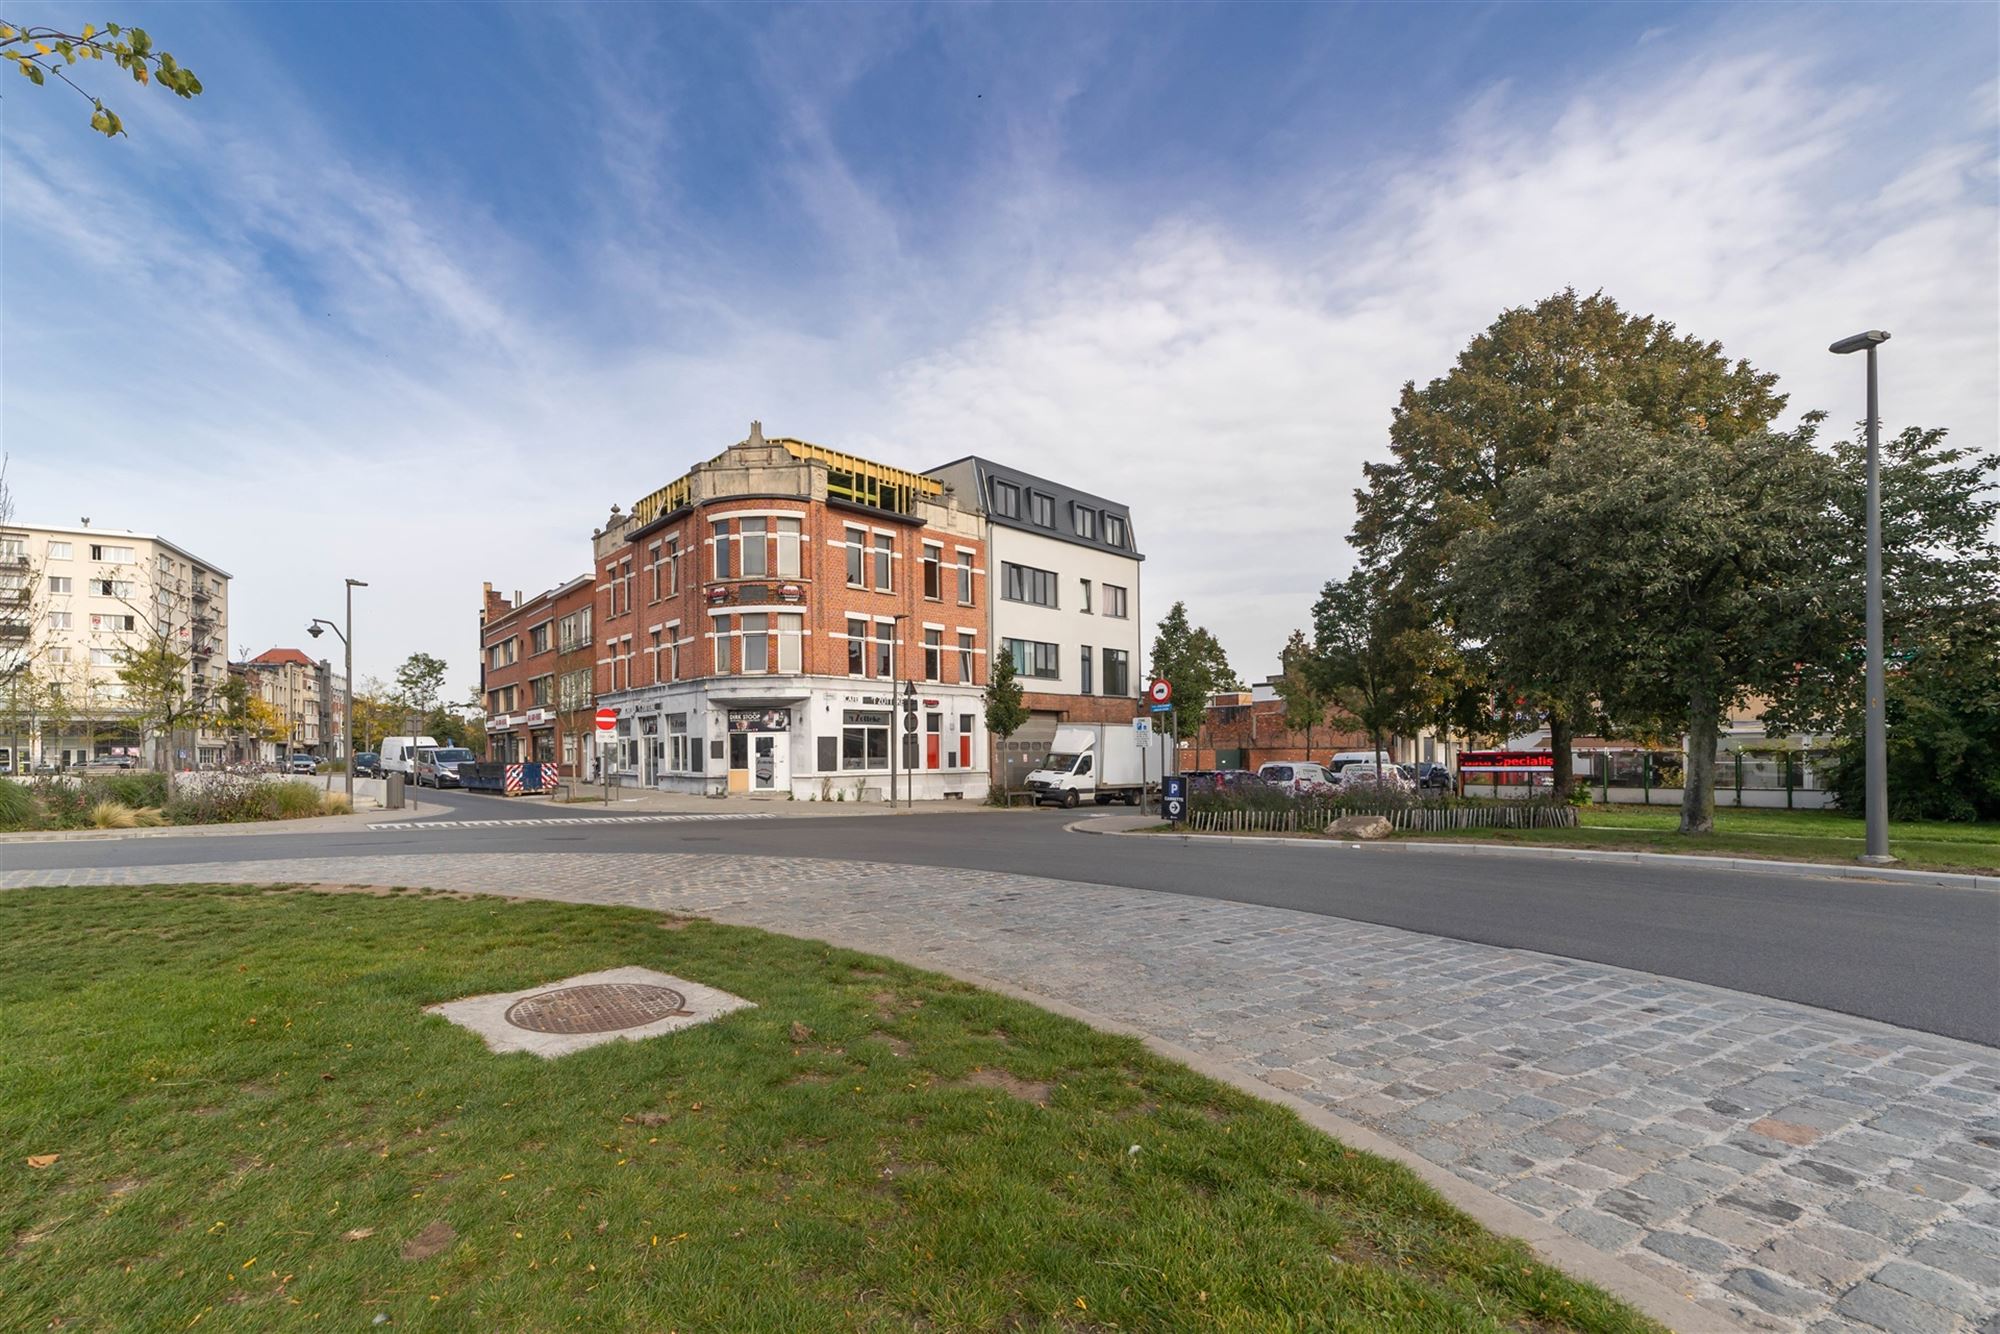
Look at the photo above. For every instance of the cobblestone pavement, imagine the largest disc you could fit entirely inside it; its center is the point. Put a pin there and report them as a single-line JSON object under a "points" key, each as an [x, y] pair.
{"points": [[1791, 1167]]}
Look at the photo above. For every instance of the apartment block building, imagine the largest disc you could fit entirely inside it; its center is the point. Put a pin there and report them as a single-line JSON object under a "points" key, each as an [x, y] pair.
{"points": [[1065, 599], [291, 682], [760, 619], [538, 674], [72, 601]]}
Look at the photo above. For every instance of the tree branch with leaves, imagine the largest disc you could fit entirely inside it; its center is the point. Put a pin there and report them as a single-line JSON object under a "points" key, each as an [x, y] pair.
{"points": [[38, 52]]}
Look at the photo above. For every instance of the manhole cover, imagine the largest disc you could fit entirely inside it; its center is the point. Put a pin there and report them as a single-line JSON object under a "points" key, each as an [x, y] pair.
{"points": [[598, 1007]]}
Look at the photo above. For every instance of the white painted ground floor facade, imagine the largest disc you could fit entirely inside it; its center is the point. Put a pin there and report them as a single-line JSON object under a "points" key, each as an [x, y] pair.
{"points": [[809, 738]]}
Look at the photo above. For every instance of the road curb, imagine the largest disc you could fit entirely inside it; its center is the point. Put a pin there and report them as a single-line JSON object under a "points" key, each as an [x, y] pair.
{"points": [[314, 824], [1754, 865]]}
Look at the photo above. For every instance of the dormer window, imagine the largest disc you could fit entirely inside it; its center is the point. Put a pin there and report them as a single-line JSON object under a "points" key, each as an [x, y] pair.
{"points": [[1086, 523]]}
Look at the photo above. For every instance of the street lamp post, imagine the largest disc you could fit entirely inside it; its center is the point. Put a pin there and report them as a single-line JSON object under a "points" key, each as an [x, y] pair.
{"points": [[347, 686], [1876, 744]]}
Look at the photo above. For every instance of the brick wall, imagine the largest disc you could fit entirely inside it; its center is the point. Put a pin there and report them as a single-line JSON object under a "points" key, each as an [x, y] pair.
{"points": [[1248, 735]]}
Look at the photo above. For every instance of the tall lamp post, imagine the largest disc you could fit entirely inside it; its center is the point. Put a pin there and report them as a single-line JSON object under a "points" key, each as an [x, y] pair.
{"points": [[1876, 745], [347, 685]]}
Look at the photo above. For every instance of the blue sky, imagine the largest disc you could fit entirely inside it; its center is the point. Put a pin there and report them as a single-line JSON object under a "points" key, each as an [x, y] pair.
{"points": [[415, 294]]}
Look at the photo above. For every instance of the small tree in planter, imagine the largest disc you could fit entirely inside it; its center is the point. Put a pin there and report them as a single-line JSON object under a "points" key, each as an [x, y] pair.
{"points": [[1005, 711]]}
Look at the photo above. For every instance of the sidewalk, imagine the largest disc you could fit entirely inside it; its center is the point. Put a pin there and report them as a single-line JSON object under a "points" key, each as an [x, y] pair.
{"points": [[649, 801]]}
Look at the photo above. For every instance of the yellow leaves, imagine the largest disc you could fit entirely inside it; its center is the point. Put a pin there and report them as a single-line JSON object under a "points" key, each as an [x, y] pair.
{"points": [[6, 33], [247, 1263], [505, 1176], [41, 1160], [42, 47], [1082, 1305], [89, 31]]}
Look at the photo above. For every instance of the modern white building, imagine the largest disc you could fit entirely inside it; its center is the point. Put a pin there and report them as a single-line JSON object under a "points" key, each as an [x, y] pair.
{"points": [[1065, 572], [71, 601]]}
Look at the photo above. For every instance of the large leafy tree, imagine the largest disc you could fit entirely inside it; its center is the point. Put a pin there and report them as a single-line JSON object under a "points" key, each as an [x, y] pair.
{"points": [[420, 684], [1715, 582], [1377, 660], [1193, 662], [161, 695], [1943, 711], [1301, 686], [1517, 390], [38, 52]]}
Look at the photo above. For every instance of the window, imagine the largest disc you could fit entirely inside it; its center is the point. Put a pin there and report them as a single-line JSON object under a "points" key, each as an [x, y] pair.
{"points": [[653, 652], [721, 529], [58, 551], [964, 577], [111, 555], [885, 648], [791, 642], [965, 741], [856, 541], [503, 653], [1042, 509], [933, 655], [58, 654], [573, 691], [1114, 601], [58, 620], [1086, 594], [538, 638], [864, 739], [542, 691], [111, 588], [677, 742], [788, 548], [965, 657], [1114, 530], [857, 647], [673, 559], [1025, 583], [1086, 522], [625, 577], [653, 568], [1117, 673], [756, 642], [1086, 669], [101, 657], [884, 545], [59, 583], [114, 622], [933, 571], [722, 630], [674, 651], [1007, 499], [573, 630], [1033, 658], [13, 548], [756, 551]]}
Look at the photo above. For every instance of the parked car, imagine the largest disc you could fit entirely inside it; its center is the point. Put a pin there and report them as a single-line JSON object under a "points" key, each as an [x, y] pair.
{"points": [[398, 754], [1298, 779], [437, 766], [1430, 777], [104, 763], [1363, 774], [1221, 780], [367, 764], [304, 764]]}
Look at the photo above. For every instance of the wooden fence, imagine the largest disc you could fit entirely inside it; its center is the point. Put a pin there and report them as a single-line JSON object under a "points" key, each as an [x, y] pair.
{"points": [[1418, 819]]}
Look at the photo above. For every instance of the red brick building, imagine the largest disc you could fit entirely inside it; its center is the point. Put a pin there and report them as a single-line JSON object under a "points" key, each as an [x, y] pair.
{"points": [[758, 619], [537, 674]]}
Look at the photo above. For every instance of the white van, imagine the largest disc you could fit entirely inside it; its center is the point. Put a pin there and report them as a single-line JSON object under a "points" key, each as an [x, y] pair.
{"points": [[399, 754]]}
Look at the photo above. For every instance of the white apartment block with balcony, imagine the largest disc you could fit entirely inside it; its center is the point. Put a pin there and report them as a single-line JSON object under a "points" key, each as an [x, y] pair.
{"points": [[71, 601], [1064, 569]]}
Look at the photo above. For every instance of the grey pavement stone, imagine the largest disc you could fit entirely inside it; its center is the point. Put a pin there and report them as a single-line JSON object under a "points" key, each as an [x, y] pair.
{"points": [[1886, 1308], [1624, 1106]]}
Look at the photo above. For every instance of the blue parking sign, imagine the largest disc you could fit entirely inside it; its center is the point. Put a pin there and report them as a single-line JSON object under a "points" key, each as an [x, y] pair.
{"points": [[1173, 802]]}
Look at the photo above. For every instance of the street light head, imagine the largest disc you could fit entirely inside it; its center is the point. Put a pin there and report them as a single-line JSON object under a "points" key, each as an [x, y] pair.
{"points": [[314, 630], [363, 583], [1860, 342]]}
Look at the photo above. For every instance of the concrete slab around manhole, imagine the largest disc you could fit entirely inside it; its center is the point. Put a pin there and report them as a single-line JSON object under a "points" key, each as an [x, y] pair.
{"points": [[557, 1018]]}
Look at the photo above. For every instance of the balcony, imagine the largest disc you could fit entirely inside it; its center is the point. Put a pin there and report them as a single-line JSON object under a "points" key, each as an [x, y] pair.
{"points": [[13, 632]]}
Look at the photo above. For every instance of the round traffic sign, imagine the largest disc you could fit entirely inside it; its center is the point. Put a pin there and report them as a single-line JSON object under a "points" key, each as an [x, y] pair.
{"points": [[1160, 691], [607, 719]]}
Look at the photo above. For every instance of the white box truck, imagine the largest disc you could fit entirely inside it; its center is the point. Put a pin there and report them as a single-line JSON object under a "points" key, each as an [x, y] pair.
{"points": [[1101, 761]]}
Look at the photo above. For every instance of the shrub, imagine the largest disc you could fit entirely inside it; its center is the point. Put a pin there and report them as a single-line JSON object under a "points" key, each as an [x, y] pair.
{"points": [[17, 806], [131, 789], [61, 803], [335, 803], [113, 815], [150, 817], [294, 800]]}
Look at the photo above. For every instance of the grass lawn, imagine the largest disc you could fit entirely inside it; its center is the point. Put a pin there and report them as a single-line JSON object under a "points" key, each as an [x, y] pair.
{"points": [[259, 1129], [1818, 836]]}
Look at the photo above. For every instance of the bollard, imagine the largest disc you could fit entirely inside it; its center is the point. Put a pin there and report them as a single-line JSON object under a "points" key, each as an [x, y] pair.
{"points": [[392, 795]]}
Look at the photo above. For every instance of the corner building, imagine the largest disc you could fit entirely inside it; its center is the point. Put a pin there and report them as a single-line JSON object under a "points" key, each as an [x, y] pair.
{"points": [[758, 618]]}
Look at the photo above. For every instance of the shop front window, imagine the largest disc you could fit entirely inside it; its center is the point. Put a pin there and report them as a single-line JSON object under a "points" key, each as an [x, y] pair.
{"points": [[864, 739]]}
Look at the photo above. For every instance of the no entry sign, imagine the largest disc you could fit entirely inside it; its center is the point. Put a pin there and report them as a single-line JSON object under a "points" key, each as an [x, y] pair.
{"points": [[607, 719], [1160, 691]]}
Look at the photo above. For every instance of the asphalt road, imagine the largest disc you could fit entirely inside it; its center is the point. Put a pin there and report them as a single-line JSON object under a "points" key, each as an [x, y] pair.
{"points": [[1918, 957]]}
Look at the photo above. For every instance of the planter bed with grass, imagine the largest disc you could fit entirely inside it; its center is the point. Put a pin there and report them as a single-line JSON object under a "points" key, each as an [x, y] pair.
{"points": [[229, 1110], [140, 800]]}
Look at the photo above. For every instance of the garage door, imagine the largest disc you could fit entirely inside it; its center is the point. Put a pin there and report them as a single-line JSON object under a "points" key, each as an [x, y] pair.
{"points": [[1025, 749]]}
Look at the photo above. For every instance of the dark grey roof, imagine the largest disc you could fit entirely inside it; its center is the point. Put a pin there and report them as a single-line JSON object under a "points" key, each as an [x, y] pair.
{"points": [[1065, 501]]}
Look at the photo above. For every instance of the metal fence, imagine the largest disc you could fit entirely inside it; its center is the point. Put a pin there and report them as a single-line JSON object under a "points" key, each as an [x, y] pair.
{"points": [[1417, 819]]}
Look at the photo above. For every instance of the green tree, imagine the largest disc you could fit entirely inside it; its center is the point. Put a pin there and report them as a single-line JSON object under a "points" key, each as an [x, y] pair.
{"points": [[1525, 384], [1301, 686], [378, 713], [419, 684], [1717, 584], [1006, 712], [1379, 663], [1943, 711], [38, 52], [1191, 660], [159, 692]]}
